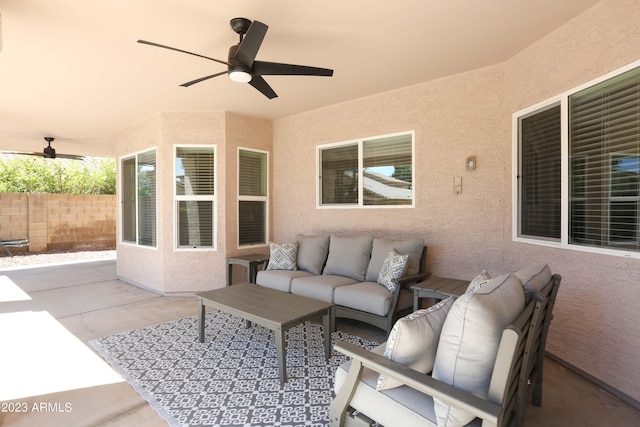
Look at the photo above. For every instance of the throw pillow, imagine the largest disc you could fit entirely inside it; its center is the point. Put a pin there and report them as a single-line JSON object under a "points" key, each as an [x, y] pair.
{"points": [[469, 342], [478, 281], [392, 268], [413, 341], [381, 248], [282, 256]]}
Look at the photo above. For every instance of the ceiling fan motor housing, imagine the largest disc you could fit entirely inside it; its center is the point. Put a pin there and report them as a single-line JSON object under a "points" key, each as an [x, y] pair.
{"points": [[50, 152]]}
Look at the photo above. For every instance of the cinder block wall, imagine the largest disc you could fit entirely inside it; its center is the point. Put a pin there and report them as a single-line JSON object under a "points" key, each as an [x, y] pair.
{"points": [[59, 222]]}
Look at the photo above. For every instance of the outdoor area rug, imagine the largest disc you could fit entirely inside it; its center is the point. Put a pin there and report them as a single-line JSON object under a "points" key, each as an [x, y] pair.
{"points": [[232, 378]]}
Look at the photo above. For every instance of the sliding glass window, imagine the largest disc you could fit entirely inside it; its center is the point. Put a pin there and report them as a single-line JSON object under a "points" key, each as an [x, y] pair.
{"points": [[370, 172]]}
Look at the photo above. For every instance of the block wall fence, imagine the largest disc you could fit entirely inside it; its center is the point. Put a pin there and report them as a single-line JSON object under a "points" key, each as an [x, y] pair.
{"points": [[58, 222]]}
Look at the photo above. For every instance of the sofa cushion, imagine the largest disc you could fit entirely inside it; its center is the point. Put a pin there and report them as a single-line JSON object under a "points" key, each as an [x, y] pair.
{"points": [[280, 280], [349, 256], [282, 256], [470, 338], [320, 287], [398, 406], [413, 341], [380, 249], [393, 268], [533, 279], [312, 252], [364, 296]]}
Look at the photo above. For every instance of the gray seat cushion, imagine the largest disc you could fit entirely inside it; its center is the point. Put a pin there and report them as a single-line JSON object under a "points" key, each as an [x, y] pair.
{"points": [[319, 287], [370, 297], [279, 280], [389, 406], [381, 248]]}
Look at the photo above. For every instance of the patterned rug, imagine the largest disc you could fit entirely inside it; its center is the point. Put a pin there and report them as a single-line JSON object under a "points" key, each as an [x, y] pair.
{"points": [[232, 378]]}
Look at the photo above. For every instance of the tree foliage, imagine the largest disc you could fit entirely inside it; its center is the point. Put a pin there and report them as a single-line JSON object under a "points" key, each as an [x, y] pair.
{"points": [[22, 174]]}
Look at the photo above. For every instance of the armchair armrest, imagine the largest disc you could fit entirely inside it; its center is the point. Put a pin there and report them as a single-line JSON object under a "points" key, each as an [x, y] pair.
{"points": [[490, 412]]}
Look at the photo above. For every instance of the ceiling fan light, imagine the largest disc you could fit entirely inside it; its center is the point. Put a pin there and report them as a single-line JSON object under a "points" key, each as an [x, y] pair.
{"points": [[240, 76]]}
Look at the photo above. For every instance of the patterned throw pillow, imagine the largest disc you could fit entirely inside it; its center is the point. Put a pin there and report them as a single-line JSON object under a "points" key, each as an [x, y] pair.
{"points": [[392, 268], [478, 281], [283, 256]]}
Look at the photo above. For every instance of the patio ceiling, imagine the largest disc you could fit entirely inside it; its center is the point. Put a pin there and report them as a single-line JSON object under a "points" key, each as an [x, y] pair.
{"points": [[73, 70]]}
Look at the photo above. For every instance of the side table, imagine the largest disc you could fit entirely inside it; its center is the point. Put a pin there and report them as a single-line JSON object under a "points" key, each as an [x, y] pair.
{"points": [[251, 262], [438, 288]]}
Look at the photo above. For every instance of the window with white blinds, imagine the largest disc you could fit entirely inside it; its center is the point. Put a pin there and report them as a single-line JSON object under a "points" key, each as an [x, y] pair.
{"points": [[253, 200], [602, 198], [138, 176], [195, 196], [369, 172]]}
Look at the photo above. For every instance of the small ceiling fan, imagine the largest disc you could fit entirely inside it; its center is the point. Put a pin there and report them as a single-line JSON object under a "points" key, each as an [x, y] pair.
{"points": [[241, 64], [49, 152]]}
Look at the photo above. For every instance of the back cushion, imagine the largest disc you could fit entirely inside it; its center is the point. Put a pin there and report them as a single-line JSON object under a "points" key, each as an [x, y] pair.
{"points": [[469, 341], [533, 279], [381, 248], [349, 256], [312, 252]]}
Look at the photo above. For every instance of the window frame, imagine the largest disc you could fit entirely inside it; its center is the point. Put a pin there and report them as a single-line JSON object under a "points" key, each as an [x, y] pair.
{"points": [[180, 198], [135, 157], [253, 198], [359, 143], [562, 100]]}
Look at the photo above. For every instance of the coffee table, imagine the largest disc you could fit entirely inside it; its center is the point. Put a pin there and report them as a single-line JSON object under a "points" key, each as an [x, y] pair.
{"points": [[275, 310]]}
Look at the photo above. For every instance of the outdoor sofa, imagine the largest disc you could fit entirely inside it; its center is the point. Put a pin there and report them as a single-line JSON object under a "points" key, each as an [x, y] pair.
{"points": [[346, 270], [475, 360]]}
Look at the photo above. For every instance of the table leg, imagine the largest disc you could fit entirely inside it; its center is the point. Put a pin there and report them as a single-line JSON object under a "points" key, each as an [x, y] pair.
{"points": [[229, 273], [416, 300], [282, 354], [328, 324], [201, 322]]}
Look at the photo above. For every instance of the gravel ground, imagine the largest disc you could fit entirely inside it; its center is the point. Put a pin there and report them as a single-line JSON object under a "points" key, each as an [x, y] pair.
{"points": [[26, 260]]}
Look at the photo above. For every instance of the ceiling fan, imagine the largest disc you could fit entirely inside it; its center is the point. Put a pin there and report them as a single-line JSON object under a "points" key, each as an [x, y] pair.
{"points": [[49, 152], [241, 64]]}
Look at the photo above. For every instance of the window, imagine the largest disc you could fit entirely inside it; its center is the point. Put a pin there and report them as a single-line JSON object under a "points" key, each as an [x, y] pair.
{"points": [[252, 197], [601, 203], [139, 199], [195, 196], [370, 172]]}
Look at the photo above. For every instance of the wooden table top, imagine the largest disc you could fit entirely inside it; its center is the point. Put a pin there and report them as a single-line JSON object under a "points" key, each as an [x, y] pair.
{"points": [[263, 305]]}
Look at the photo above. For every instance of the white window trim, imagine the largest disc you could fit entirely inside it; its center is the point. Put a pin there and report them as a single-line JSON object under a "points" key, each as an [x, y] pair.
{"points": [[252, 198], [121, 201], [563, 100], [177, 198], [360, 205]]}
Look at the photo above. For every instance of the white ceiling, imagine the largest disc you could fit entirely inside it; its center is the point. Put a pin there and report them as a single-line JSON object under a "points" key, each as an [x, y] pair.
{"points": [[72, 69]]}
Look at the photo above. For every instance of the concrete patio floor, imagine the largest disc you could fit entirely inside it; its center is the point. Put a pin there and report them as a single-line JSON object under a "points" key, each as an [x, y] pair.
{"points": [[50, 375]]}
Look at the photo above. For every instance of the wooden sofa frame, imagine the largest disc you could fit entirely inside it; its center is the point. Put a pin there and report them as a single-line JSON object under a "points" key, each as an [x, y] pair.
{"points": [[386, 322], [516, 379]]}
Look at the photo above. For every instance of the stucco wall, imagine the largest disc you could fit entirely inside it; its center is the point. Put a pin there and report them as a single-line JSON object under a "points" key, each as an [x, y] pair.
{"points": [[596, 327], [166, 269]]}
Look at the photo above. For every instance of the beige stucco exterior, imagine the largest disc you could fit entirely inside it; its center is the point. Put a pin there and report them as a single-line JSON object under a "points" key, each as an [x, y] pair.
{"points": [[595, 329]]}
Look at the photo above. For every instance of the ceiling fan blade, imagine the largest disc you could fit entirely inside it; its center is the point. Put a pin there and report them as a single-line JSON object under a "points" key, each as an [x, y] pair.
{"points": [[250, 43], [201, 79], [183, 51], [277, 69], [262, 85], [69, 156]]}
